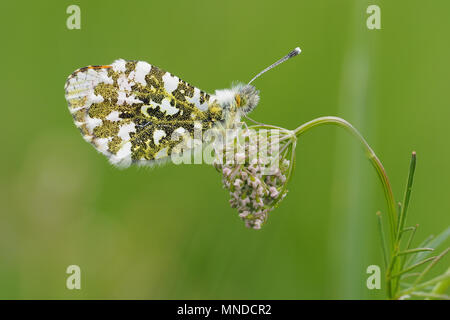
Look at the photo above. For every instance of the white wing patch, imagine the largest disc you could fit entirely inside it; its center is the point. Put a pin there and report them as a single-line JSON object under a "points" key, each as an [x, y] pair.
{"points": [[124, 131], [170, 82], [119, 65], [142, 69], [157, 135]]}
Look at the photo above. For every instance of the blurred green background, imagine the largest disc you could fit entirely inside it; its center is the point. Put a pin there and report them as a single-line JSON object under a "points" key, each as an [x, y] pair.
{"points": [[168, 232]]}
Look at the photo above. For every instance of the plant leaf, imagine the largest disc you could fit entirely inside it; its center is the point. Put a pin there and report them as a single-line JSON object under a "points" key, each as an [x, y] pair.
{"points": [[434, 243]]}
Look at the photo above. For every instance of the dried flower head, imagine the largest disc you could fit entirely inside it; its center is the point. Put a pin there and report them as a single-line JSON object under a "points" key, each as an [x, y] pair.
{"points": [[255, 170]]}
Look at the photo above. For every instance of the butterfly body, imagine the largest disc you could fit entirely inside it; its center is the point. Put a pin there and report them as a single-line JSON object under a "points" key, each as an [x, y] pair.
{"points": [[134, 112]]}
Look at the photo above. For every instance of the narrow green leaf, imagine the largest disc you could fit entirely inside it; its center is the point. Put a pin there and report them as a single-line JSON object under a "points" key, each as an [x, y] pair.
{"points": [[408, 229], [408, 244], [443, 277], [431, 265], [413, 267], [411, 236], [433, 243], [409, 285], [407, 196], [442, 286], [412, 258], [382, 238], [410, 275], [405, 252], [430, 295]]}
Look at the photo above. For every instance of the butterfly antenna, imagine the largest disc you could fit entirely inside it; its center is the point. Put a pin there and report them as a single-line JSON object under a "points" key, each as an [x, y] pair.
{"points": [[291, 54]]}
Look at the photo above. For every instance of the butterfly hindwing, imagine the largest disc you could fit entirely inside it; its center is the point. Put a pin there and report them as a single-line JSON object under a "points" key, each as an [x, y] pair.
{"points": [[134, 112]]}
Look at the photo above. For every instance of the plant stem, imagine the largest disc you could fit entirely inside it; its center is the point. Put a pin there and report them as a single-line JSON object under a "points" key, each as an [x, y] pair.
{"points": [[393, 265], [392, 214], [382, 238]]}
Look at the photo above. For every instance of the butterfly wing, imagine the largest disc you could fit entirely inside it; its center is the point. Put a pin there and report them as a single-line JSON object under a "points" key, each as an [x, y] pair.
{"points": [[134, 112]]}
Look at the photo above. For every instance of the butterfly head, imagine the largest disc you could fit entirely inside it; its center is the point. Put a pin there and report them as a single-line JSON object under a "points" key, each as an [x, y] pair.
{"points": [[246, 98], [243, 98], [240, 99]]}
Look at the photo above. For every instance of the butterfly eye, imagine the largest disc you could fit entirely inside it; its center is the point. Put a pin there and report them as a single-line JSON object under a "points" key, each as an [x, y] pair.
{"points": [[237, 98]]}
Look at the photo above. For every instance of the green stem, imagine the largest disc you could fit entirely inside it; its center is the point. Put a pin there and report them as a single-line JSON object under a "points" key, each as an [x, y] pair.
{"points": [[372, 157], [392, 283]]}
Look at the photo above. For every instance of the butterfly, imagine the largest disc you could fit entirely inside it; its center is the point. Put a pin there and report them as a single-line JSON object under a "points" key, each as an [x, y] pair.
{"points": [[136, 113]]}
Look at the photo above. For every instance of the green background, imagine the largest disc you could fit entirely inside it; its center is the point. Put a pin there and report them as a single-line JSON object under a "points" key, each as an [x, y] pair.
{"points": [[168, 232]]}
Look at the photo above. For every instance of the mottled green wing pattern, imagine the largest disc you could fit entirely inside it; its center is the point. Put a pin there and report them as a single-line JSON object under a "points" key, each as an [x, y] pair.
{"points": [[134, 112]]}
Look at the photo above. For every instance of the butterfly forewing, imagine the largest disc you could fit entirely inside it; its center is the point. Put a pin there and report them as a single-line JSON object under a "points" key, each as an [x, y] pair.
{"points": [[134, 112]]}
